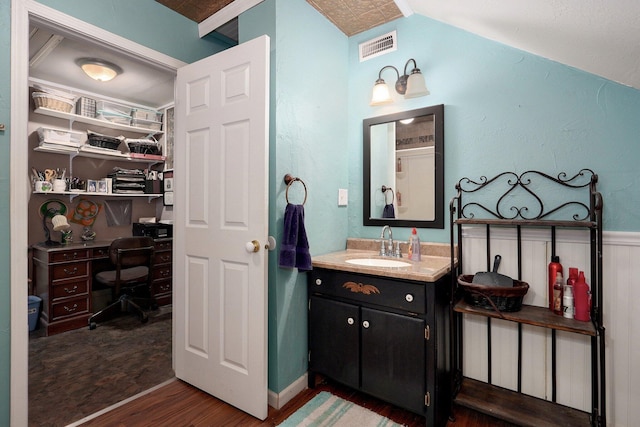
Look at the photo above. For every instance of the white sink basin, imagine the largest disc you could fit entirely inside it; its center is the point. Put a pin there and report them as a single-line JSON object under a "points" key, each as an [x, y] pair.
{"points": [[378, 262]]}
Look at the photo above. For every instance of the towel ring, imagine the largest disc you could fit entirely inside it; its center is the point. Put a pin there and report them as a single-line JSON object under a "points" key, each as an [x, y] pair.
{"points": [[289, 180], [384, 191]]}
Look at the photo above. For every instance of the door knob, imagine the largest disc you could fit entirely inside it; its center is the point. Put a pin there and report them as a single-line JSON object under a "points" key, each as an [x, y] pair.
{"points": [[252, 246], [271, 243]]}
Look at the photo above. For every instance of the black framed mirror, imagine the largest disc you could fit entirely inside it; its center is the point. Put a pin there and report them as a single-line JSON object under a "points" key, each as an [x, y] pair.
{"points": [[404, 169]]}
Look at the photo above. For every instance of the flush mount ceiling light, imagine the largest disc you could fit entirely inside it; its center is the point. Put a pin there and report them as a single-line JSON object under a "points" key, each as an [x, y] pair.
{"points": [[411, 86], [99, 69]]}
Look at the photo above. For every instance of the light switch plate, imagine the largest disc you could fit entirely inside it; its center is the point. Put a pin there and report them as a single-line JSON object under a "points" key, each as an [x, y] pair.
{"points": [[343, 197]]}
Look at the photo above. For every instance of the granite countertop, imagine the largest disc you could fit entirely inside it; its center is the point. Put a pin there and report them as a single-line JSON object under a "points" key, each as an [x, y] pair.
{"points": [[435, 261]]}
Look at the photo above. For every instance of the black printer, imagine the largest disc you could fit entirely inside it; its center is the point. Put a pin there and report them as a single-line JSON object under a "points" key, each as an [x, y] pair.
{"points": [[157, 230]]}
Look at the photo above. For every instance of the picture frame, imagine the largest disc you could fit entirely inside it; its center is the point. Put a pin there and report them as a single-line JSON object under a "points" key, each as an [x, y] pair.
{"points": [[167, 198], [167, 185], [102, 186], [92, 186]]}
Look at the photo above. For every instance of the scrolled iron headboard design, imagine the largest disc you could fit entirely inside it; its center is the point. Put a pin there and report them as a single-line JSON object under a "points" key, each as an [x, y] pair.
{"points": [[528, 204]]}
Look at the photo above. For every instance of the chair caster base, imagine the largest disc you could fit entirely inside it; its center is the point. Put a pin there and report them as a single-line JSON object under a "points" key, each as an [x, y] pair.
{"points": [[92, 325]]}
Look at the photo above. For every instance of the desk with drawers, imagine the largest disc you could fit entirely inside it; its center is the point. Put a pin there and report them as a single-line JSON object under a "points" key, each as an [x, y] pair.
{"points": [[64, 275]]}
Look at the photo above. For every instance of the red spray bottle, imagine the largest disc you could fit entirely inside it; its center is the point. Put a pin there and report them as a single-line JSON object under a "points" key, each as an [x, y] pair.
{"points": [[554, 268], [582, 299]]}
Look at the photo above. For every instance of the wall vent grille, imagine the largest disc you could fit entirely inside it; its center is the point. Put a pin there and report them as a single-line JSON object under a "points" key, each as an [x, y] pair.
{"points": [[379, 46]]}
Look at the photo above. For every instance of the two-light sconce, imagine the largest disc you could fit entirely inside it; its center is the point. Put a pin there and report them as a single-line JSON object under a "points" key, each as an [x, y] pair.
{"points": [[411, 86]]}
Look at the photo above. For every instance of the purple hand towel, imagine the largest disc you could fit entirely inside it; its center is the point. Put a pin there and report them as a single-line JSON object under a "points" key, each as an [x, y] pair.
{"points": [[388, 211], [294, 250]]}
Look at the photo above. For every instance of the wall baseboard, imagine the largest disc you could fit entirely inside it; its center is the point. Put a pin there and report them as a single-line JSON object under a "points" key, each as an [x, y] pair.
{"points": [[278, 400]]}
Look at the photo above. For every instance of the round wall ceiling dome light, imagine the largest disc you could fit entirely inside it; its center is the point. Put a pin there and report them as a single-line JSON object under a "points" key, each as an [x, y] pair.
{"points": [[99, 69]]}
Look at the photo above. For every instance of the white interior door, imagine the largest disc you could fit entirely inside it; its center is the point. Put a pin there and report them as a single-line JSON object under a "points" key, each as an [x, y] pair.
{"points": [[221, 201]]}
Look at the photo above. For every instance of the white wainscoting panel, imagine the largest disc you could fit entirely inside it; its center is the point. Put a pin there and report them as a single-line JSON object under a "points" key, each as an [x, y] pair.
{"points": [[621, 259], [621, 289]]}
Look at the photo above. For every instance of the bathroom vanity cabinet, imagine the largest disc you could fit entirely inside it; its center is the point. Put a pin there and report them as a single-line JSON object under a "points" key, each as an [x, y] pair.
{"points": [[386, 337]]}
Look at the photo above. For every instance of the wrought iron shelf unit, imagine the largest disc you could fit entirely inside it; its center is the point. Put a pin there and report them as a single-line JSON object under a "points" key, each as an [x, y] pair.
{"points": [[531, 199]]}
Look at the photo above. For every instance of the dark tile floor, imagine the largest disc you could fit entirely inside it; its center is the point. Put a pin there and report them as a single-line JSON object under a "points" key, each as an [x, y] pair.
{"points": [[79, 372]]}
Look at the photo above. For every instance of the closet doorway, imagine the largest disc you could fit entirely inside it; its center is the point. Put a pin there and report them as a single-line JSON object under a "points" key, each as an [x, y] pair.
{"points": [[26, 17]]}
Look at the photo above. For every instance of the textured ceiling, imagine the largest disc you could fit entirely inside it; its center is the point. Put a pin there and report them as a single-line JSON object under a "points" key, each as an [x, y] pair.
{"points": [[196, 10], [355, 16], [600, 37], [350, 16]]}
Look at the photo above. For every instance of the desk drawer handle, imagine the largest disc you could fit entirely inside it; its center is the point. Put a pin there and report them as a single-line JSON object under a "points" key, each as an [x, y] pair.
{"points": [[71, 291], [165, 258], [165, 288], [72, 309], [74, 256], [165, 273], [71, 272]]}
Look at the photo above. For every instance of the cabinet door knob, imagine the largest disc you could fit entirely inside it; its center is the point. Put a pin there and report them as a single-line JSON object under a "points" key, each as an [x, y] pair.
{"points": [[318, 282], [409, 297], [365, 324], [350, 321]]}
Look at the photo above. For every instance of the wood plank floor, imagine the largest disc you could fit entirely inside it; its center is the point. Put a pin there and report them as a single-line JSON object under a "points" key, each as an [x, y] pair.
{"points": [[178, 404]]}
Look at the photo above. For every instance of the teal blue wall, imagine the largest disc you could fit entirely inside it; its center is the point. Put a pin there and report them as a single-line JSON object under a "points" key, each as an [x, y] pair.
{"points": [[504, 110], [308, 138], [5, 227]]}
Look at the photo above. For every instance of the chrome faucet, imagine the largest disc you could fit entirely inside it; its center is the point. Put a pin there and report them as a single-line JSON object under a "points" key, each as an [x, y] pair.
{"points": [[388, 251]]}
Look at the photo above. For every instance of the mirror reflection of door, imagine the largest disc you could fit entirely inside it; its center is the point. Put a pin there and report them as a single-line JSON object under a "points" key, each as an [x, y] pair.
{"points": [[403, 160]]}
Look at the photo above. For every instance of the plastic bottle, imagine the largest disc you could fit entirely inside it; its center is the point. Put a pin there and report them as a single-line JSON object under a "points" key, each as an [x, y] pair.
{"points": [[582, 299], [554, 268], [557, 294], [567, 301], [414, 245]]}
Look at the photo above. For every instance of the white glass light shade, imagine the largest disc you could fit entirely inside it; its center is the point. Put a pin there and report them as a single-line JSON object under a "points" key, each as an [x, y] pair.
{"points": [[381, 94], [99, 70], [415, 85]]}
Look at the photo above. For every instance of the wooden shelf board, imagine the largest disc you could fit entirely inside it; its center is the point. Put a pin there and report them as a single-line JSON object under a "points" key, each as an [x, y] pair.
{"points": [[525, 223], [531, 315], [517, 408]]}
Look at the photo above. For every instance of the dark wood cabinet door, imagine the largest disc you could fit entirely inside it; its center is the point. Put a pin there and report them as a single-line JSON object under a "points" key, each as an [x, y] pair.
{"points": [[393, 358], [334, 329]]}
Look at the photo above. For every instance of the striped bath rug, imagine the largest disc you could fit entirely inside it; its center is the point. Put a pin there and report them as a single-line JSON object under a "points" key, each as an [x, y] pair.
{"points": [[326, 410]]}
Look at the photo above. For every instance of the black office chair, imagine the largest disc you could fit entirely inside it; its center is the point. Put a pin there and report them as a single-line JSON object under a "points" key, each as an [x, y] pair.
{"points": [[133, 260]]}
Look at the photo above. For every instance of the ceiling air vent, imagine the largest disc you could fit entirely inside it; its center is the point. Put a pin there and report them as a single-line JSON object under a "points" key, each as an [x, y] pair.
{"points": [[378, 46]]}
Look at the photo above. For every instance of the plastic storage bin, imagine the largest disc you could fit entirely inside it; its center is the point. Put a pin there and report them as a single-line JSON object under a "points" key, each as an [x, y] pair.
{"points": [[146, 124], [34, 311], [146, 114], [59, 136]]}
